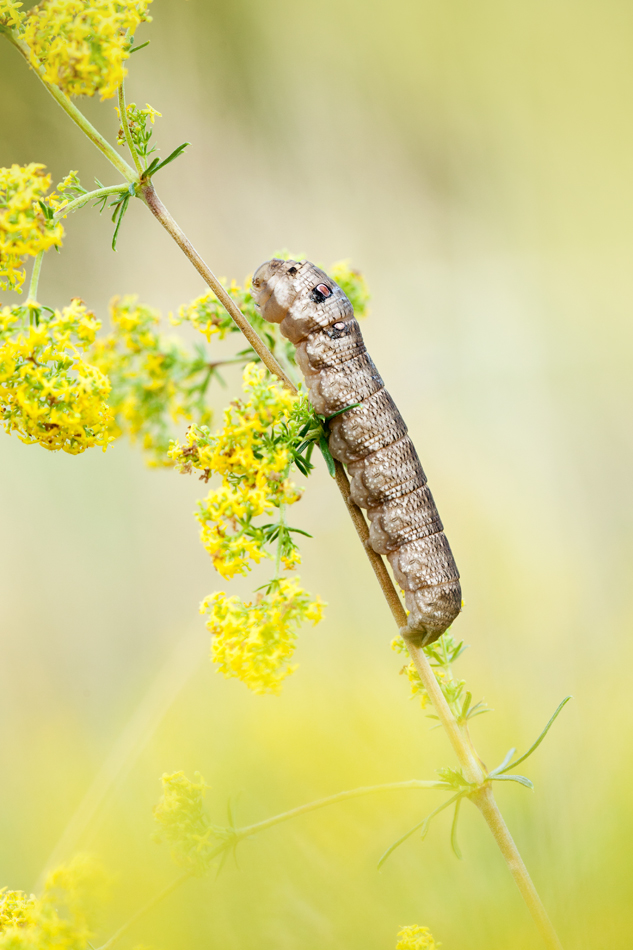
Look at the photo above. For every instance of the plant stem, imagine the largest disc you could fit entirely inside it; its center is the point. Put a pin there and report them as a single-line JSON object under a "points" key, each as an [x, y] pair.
{"points": [[79, 202], [125, 125], [151, 903], [485, 802], [158, 209], [249, 830], [71, 110], [332, 800], [35, 276]]}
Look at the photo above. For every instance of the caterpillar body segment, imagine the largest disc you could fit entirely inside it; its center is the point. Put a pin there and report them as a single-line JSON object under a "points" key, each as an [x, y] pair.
{"points": [[371, 439]]}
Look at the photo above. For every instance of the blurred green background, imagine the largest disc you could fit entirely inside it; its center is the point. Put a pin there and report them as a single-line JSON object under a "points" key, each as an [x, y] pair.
{"points": [[475, 160]]}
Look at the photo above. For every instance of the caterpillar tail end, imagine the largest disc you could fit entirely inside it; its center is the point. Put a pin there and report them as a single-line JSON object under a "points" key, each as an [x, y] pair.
{"points": [[432, 610]]}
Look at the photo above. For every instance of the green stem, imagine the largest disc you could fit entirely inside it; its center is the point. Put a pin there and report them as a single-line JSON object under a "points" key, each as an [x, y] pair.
{"points": [[151, 903], [485, 802], [332, 800], [125, 125], [249, 830], [158, 209], [282, 522], [35, 276], [79, 202], [72, 111]]}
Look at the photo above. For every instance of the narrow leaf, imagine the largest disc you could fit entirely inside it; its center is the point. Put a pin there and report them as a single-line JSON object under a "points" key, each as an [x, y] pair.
{"points": [[327, 455], [135, 49], [534, 747], [506, 760], [521, 779], [299, 531], [454, 844], [170, 158], [335, 414], [424, 825]]}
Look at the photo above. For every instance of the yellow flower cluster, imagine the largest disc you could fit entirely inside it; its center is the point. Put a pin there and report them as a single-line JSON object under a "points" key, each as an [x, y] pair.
{"points": [[14, 908], [61, 919], [25, 229], [10, 13], [255, 641], [48, 393], [254, 469], [183, 822], [83, 44], [416, 938], [154, 380], [209, 317]]}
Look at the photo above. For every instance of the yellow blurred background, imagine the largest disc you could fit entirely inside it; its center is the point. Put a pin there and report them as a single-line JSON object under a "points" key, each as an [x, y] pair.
{"points": [[475, 161]]}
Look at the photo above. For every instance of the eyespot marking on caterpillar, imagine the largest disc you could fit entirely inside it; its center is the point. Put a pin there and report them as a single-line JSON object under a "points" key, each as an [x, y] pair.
{"points": [[320, 293], [339, 326]]}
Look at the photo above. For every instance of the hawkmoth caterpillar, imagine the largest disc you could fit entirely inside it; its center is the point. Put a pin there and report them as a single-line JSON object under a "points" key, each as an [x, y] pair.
{"points": [[370, 438]]}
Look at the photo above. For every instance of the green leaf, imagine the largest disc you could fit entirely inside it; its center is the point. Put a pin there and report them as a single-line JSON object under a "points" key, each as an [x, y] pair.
{"points": [[424, 825], [521, 779], [327, 455], [135, 49], [118, 216], [454, 844], [535, 746], [505, 762], [156, 165], [335, 414]]}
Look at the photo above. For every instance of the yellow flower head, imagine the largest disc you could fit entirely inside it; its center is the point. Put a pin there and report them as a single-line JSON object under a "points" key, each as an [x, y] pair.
{"points": [[155, 380], [253, 463], [255, 641], [62, 918], [14, 908], [25, 228], [48, 394], [10, 13], [183, 822], [416, 938], [83, 44]]}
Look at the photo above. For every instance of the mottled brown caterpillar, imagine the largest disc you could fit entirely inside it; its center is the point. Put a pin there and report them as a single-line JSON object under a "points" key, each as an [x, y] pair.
{"points": [[370, 438]]}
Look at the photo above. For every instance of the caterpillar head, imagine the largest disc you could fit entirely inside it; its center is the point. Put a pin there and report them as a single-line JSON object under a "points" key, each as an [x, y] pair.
{"points": [[274, 288]]}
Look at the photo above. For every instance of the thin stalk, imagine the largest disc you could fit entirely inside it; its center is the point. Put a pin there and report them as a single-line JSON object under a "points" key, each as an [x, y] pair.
{"points": [[485, 802], [332, 800], [158, 209], [35, 276], [150, 905], [250, 830], [125, 125], [467, 759], [79, 202], [72, 111]]}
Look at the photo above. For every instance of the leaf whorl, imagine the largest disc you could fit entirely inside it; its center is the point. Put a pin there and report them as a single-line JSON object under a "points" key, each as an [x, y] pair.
{"points": [[370, 439]]}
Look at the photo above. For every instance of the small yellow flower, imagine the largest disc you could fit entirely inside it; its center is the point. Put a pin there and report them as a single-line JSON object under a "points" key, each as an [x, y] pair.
{"points": [[416, 938], [83, 44], [25, 230], [14, 908], [10, 13]]}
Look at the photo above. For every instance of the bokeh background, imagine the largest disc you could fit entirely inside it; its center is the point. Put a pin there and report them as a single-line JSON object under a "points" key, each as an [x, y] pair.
{"points": [[475, 160]]}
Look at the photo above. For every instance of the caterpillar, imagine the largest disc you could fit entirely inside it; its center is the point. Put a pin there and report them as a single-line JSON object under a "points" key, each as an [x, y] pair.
{"points": [[370, 438]]}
